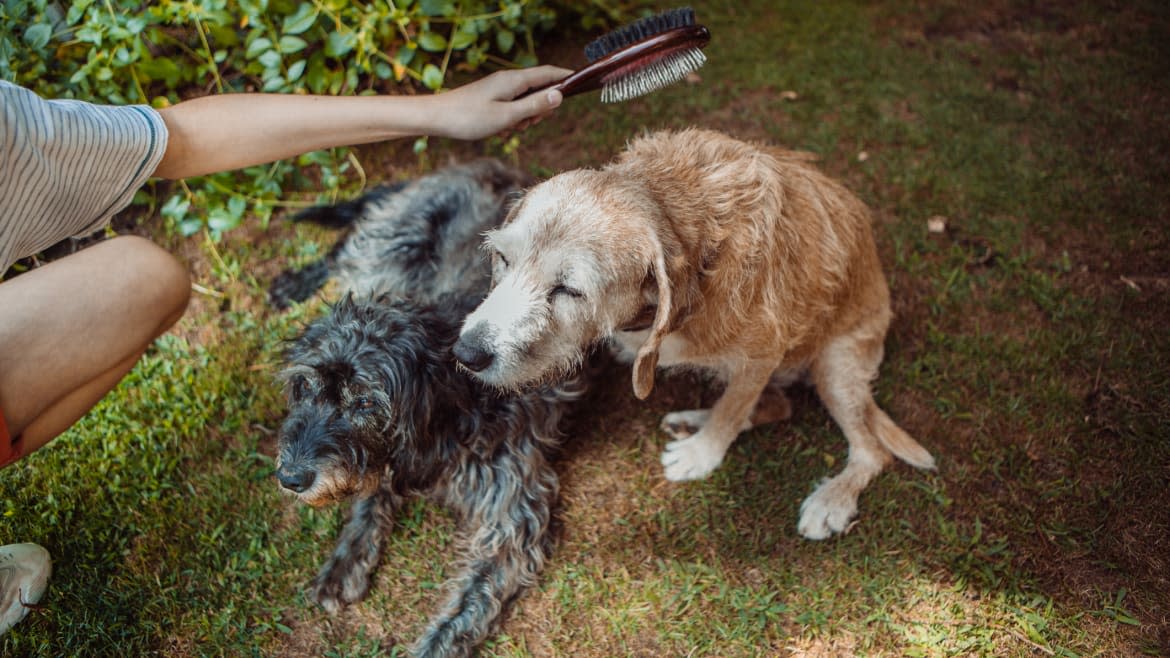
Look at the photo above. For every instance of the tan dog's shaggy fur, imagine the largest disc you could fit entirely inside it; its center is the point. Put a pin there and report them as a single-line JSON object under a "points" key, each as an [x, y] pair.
{"points": [[695, 249]]}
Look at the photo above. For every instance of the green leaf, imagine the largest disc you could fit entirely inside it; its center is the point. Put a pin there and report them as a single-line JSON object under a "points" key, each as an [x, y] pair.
{"points": [[505, 39], [289, 45], [236, 206], [253, 7], [76, 10], [432, 41], [339, 44], [176, 207], [90, 34], [122, 56], [437, 7], [432, 77], [189, 227], [316, 75], [476, 56], [37, 36], [270, 59], [463, 39], [404, 55], [218, 220], [161, 68], [301, 21], [257, 46], [295, 71]]}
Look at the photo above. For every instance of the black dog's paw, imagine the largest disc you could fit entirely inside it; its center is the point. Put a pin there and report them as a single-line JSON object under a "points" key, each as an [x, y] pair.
{"points": [[335, 588], [297, 285]]}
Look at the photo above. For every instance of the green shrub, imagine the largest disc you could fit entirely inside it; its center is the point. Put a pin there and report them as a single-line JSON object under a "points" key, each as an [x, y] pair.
{"points": [[123, 51]]}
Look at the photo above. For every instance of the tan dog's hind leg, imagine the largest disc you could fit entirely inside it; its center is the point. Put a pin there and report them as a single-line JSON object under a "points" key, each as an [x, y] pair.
{"points": [[698, 455], [842, 374]]}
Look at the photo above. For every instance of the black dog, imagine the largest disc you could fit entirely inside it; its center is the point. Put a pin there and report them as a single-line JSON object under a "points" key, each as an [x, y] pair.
{"points": [[418, 240], [379, 411]]}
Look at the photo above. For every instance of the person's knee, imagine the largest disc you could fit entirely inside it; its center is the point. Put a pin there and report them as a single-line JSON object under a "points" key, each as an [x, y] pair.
{"points": [[161, 280]]}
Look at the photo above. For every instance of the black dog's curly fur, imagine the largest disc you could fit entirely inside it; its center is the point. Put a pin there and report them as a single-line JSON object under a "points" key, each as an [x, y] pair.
{"points": [[379, 411], [419, 239]]}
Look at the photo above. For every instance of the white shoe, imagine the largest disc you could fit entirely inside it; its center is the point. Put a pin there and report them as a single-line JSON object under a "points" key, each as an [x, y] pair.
{"points": [[24, 575]]}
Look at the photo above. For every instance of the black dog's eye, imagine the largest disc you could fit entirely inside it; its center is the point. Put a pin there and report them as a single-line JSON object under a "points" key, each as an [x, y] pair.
{"points": [[362, 404], [300, 387], [565, 290]]}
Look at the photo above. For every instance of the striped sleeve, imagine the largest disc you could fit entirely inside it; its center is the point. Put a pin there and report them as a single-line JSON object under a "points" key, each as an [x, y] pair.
{"points": [[66, 167]]}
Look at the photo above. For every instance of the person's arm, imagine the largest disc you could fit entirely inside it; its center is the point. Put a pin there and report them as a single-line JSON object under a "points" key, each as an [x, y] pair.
{"points": [[230, 131]]}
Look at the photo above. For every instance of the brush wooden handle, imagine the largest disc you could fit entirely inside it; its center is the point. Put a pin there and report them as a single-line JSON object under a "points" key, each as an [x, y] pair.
{"points": [[631, 58]]}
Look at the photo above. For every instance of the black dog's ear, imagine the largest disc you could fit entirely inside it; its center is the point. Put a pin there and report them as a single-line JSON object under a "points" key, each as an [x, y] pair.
{"points": [[512, 198], [513, 203], [404, 348]]}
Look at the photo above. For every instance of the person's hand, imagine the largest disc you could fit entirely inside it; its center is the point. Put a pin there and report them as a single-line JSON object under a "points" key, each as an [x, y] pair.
{"points": [[490, 105]]}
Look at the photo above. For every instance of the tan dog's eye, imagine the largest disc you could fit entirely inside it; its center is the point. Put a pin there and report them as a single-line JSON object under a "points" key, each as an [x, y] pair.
{"points": [[565, 290]]}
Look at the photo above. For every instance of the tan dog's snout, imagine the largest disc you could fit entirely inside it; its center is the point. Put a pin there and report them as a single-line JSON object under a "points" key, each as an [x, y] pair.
{"points": [[473, 349]]}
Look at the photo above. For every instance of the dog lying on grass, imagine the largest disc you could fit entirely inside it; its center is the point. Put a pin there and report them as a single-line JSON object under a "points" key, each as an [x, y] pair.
{"points": [[378, 410], [697, 250]]}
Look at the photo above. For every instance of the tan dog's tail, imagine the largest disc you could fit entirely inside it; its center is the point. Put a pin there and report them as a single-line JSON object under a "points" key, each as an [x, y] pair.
{"points": [[896, 440]]}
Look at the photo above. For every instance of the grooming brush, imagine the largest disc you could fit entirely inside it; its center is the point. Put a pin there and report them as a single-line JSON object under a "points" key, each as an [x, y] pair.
{"points": [[641, 57]]}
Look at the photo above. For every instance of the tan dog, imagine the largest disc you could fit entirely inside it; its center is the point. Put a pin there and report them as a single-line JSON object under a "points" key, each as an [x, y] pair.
{"points": [[694, 249]]}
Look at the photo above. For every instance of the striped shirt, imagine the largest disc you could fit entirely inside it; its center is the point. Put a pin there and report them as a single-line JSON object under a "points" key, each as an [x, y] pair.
{"points": [[66, 167]]}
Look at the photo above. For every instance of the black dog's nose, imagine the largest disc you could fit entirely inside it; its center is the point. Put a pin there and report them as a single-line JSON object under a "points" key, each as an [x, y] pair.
{"points": [[296, 479], [470, 350]]}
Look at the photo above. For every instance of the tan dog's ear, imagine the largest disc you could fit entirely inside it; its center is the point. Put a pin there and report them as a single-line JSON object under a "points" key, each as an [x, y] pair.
{"points": [[647, 359]]}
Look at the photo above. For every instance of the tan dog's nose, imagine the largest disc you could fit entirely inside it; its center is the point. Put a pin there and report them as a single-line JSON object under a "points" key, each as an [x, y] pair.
{"points": [[471, 351]]}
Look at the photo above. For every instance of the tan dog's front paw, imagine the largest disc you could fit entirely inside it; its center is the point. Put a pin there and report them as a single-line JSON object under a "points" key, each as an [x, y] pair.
{"points": [[691, 459], [828, 510]]}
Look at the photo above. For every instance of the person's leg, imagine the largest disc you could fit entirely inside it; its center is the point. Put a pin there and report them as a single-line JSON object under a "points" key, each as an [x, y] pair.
{"points": [[70, 330]]}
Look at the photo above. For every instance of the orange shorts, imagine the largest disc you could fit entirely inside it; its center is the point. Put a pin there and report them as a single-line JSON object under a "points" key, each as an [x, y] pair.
{"points": [[9, 445]]}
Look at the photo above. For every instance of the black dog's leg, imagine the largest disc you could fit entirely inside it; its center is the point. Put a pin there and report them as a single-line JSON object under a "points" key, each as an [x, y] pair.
{"points": [[509, 506], [298, 285], [346, 576]]}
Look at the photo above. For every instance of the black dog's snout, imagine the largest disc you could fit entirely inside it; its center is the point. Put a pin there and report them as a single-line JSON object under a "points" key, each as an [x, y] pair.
{"points": [[471, 349], [297, 480]]}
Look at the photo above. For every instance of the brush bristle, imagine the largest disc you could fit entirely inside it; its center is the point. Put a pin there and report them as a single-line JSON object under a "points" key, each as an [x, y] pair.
{"points": [[634, 32], [652, 77]]}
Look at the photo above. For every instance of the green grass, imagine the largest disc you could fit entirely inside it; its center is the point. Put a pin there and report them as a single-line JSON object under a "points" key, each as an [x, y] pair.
{"points": [[1029, 354]]}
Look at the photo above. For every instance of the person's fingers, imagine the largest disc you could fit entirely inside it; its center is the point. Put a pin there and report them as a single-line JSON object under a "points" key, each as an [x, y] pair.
{"points": [[521, 80], [542, 103], [535, 104], [541, 75]]}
